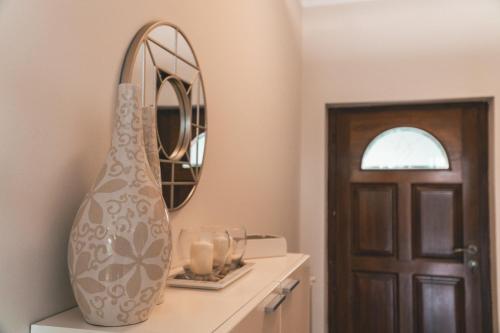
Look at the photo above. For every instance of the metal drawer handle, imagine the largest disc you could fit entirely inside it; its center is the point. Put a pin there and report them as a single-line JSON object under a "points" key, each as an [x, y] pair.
{"points": [[274, 304], [290, 286]]}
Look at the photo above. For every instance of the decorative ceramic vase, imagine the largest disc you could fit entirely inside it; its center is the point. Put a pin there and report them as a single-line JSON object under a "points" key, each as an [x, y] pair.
{"points": [[153, 158], [151, 141], [119, 247]]}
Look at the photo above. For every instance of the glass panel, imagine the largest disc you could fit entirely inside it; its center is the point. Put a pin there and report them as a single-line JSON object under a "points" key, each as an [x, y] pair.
{"points": [[165, 35], [169, 118], [184, 50], [403, 148], [162, 58], [197, 150], [186, 72]]}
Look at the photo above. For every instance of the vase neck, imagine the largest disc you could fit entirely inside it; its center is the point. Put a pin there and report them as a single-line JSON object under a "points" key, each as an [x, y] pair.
{"points": [[128, 131]]}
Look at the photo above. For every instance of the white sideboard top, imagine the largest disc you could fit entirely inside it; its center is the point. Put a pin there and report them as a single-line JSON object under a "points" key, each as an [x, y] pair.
{"points": [[189, 310]]}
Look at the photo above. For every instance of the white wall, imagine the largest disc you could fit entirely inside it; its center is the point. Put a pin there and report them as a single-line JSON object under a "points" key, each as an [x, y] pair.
{"points": [[59, 69], [385, 51]]}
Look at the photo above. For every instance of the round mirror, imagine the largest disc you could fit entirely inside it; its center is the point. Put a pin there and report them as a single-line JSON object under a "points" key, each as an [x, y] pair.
{"points": [[161, 61], [172, 103]]}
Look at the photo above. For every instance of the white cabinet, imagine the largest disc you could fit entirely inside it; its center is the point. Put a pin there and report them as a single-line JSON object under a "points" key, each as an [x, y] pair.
{"points": [[262, 320], [284, 310], [238, 308], [296, 307]]}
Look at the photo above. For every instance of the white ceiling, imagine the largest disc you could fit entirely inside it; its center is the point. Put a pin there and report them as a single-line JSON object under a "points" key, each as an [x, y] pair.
{"points": [[314, 3]]}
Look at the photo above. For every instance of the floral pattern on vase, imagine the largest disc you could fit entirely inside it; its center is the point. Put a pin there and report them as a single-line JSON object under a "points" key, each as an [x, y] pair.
{"points": [[151, 141], [120, 243], [153, 158]]}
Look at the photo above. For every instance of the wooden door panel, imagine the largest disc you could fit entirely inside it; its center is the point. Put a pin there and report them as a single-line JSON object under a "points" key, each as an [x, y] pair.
{"points": [[375, 302], [392, 233], [361, 176], [416, 266], [374, 219], [437, 221], [439, 304]]}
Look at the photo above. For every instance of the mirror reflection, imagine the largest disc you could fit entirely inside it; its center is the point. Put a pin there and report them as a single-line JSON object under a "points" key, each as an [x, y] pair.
{"points": [[169, 119], [165, 66]]}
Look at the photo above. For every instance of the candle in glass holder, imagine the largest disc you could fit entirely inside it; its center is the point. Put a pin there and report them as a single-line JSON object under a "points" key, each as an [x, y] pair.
{"points": [[221, 249], [202, 257], [229, 257], [238, 235]]}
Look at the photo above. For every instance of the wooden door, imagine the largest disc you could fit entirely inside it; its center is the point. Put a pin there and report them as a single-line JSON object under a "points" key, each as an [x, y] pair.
{"points": [[395, 233]]}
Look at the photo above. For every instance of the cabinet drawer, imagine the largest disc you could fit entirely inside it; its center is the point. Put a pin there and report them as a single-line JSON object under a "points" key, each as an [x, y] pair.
{"points": [[265, 318], [295, 312], [285, 310]]}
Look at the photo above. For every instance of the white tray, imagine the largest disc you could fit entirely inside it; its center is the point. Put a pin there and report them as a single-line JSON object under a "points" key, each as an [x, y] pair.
{"points": [[210, 285]]}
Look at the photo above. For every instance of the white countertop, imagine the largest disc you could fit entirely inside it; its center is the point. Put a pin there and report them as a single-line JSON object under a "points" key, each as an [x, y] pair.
{"points": [[190, 310]]}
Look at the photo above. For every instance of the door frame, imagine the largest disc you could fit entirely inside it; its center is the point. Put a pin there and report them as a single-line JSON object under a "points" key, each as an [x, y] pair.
{"points": [[488, 282]]}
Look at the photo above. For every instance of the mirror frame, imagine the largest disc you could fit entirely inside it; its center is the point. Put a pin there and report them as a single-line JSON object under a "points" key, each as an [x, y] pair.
{"points": [[185, 132]]}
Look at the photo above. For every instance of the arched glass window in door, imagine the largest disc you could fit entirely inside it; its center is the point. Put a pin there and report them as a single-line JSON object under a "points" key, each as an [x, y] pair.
{"points": [[405, 148]]}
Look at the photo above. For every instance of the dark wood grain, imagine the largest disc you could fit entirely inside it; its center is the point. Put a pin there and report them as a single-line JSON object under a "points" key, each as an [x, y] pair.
{"points": [[375, 302], [439, 304], [391, 266], [437, 221], [374, 219]]}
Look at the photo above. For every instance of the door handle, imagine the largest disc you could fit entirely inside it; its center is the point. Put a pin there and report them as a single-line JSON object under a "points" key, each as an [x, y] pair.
{"points": [[470, 249]]}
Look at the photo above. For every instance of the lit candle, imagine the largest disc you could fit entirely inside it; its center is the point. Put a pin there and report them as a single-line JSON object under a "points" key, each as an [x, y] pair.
{"points": [[202, 256], [221, 249]]}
